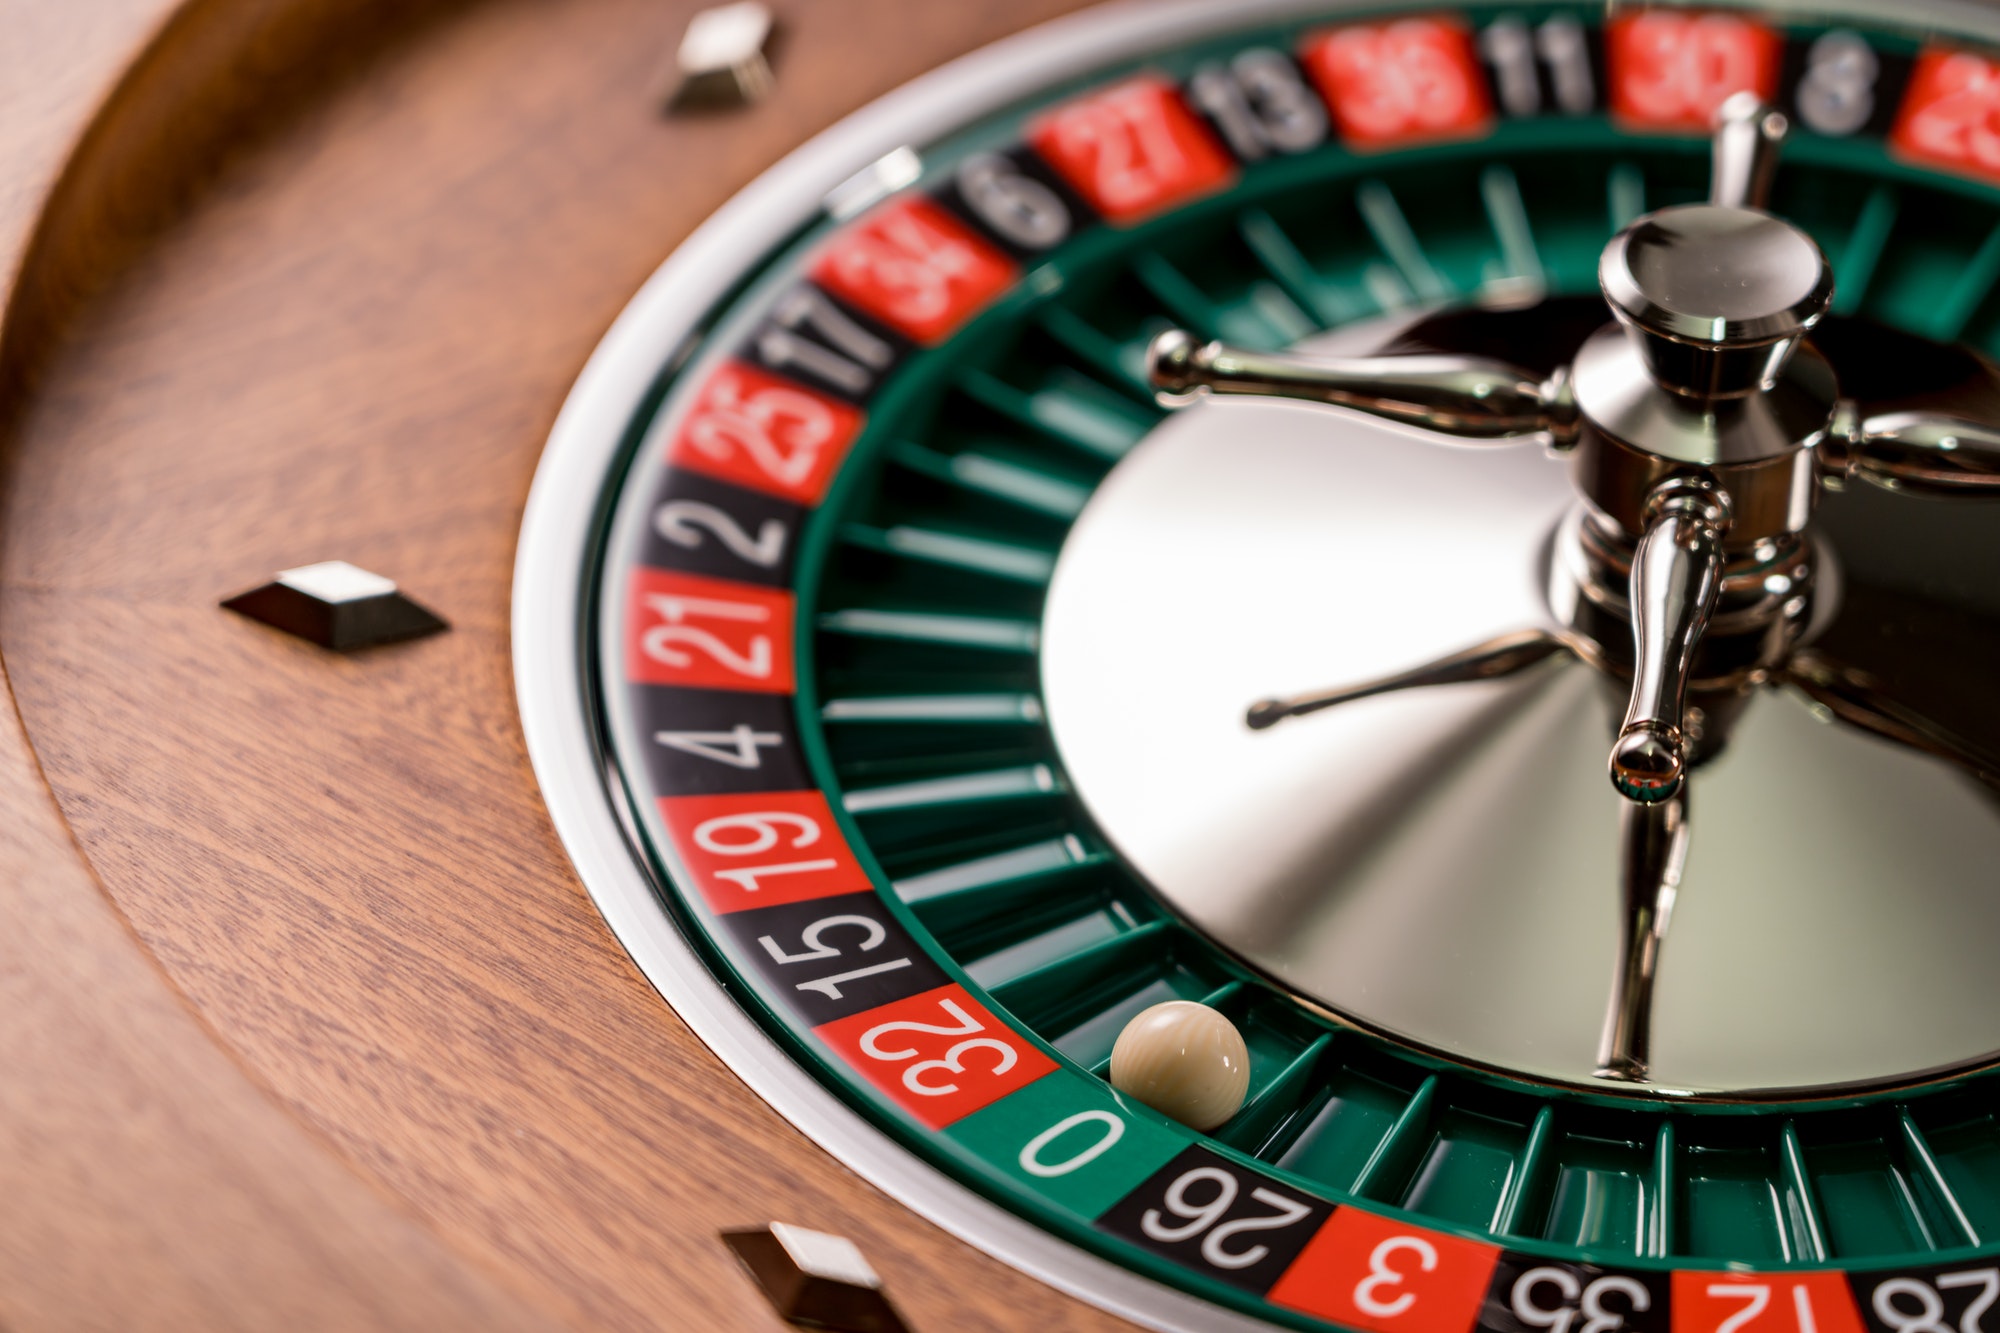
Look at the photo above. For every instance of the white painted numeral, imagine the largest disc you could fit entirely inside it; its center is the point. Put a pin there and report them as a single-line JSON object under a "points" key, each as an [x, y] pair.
{"points": [[1837, 95], [830, 986], [1754, 1295], [1574, 1297], [1929, 1314], [1260, 104], [678, 521], [663, 643], [1507, 47], [1383, 1275], [1560, 45], [1289, 1211], [763, 828], [1018, 207], [871, 1039], [780, 430], [1131, 147], [1031, 1152], [738, 747], [910, 263], [1988, 1282], [1198, 1218], [952, 1061], [816, 946], [839, 351]]}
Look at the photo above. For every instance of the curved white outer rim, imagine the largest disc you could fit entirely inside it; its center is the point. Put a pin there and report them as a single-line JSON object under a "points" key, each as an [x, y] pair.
{"points": [[555, 544]]}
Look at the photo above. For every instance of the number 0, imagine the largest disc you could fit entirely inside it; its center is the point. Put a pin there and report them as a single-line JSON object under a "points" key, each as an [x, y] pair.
{"points": [[1031, 1153]]}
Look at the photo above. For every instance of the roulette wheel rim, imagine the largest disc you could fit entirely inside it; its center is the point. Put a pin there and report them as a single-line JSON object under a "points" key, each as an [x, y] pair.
{"points": [[559, 530], [566, 518]]}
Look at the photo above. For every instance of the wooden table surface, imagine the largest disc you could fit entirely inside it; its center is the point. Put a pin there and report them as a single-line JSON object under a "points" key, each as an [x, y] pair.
{"points": [[305, 1020]]}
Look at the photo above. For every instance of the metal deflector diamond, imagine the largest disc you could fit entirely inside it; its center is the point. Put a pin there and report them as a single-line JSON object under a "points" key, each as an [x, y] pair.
{"points": [[337, 605]]}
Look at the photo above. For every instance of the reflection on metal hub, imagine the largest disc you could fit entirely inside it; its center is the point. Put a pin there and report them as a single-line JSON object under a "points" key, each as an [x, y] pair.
{"points": [[1700, 430]]}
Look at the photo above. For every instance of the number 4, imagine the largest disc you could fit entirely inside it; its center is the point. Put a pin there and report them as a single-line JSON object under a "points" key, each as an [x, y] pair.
{"points": [[736, 747]]}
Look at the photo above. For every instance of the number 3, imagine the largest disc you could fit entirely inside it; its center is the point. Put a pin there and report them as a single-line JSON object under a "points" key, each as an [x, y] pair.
{"points": [[952, 1060], [1381, 1274]]}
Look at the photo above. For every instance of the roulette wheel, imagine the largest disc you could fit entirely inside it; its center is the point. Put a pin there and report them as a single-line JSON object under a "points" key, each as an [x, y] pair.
{"points": [[1184, 505]]}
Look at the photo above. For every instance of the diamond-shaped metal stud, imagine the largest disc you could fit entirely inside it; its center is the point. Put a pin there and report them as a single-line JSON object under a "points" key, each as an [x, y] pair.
{"points": [[336, 605], [723, 59], [815, 1279]]}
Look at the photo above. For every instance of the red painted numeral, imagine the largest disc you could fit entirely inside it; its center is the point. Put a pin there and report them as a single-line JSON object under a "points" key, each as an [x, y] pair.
{"points": [[940, 1055], [915, 267], [761, 849], [1391, 83], [1132, 149], [682, 629], [1763, 1303], [1951, 115], [1372, 1272], [1671, 69], [765, 433]]}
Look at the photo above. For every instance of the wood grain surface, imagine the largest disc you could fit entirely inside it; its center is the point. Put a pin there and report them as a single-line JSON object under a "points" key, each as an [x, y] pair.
{"points": [[342, 330]]}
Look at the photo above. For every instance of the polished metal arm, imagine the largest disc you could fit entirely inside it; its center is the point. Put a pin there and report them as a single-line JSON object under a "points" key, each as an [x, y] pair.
{"points": [[1849, 696], [1920, 452], [1466, 396], [1676, 575], [1744, 154], [1503, 656], [1655, 839]]}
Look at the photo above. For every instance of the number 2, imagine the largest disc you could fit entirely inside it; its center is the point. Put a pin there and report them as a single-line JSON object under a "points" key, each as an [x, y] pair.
{"points": [[665, 643], [678, 520], [952, 1061], [757, 430], [1203, 1217], [1929, 1316]]}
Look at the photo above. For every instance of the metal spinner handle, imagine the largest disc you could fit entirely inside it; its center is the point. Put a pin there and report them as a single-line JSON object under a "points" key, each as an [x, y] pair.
{"points": [[1715, 299]]}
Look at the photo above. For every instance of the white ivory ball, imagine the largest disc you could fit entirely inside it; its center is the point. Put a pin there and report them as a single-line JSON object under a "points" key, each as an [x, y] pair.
{"points": [[1184, 1060]]}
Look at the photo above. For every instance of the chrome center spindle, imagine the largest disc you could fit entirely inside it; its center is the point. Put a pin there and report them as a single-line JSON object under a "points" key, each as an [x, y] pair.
{"points": [[1698, 422]]}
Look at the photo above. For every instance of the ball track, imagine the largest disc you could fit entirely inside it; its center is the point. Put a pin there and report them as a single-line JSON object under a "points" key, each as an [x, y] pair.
{"points": [[925, 665]]}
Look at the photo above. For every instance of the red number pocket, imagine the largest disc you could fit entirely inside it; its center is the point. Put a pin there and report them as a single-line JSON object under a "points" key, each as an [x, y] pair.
{"points": [[915, 267], [762, 849], [940, 1055], [1672, 70], [682, 629], [1951, 115], [1132, 149], [765, 433], [1763, 1303], [1372, 1272], [1402, 81]]}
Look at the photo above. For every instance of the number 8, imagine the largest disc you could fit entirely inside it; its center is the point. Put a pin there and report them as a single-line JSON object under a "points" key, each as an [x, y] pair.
{"points": [[1837, 95]]}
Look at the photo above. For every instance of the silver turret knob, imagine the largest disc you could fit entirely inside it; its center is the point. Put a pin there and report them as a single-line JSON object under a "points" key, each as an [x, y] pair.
{"points": [[1715, 297]]}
